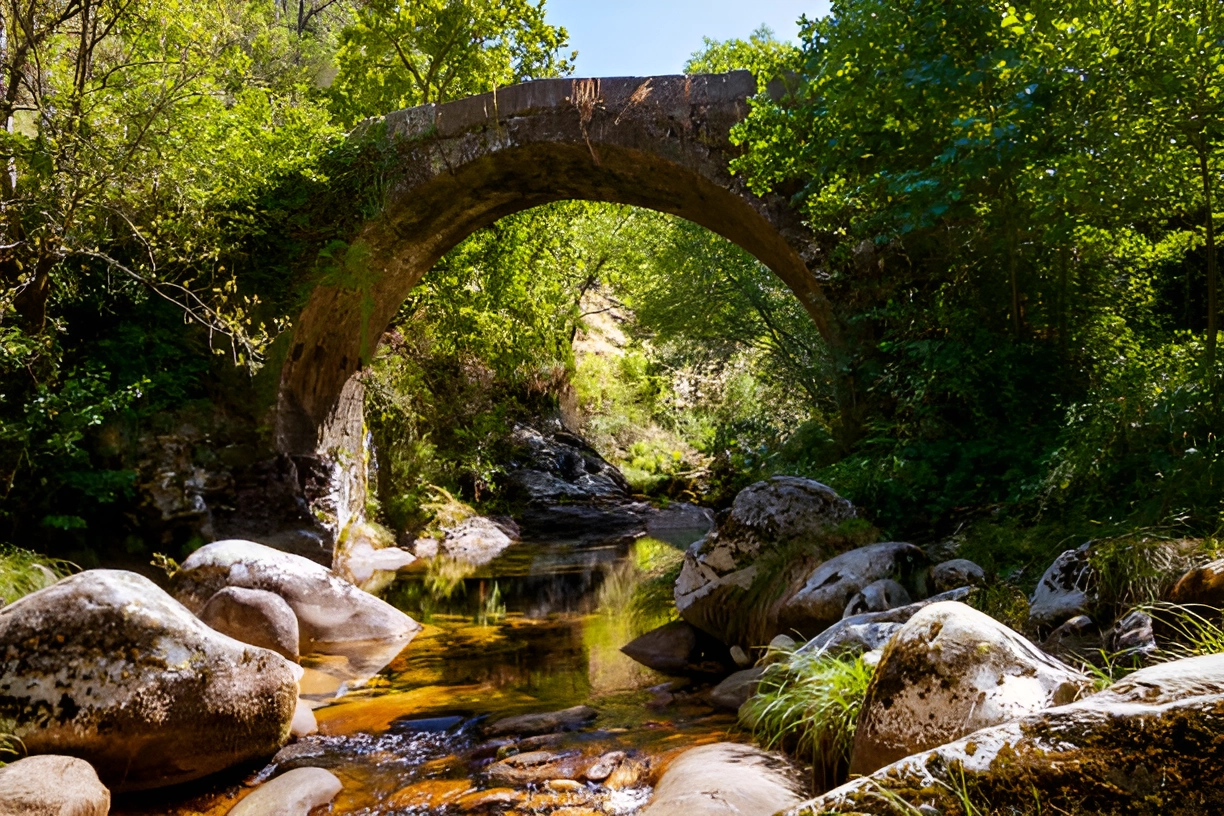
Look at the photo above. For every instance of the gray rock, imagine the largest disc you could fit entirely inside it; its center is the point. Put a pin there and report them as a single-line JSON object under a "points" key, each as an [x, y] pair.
{"points": [[1077, 637], [785, 514], [879, 596], [526, 725], [726, 779], [1064, 590], [959, 572], [1131, 636], [871, 631], [107, 667], [255, 617], [328, 608], [52, 786], [293, 793], [680, 524], [477, 540], [679, 648], [829, 588], [1150, 744], [949, 671], [366, 556], [734, 691]]}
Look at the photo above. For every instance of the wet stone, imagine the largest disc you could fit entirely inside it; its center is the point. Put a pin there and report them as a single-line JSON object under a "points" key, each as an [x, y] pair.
{"points": [[569, 719]]}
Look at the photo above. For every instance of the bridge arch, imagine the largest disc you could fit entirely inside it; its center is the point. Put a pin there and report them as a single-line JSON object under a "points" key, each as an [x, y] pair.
{"points": [[661, 143]]}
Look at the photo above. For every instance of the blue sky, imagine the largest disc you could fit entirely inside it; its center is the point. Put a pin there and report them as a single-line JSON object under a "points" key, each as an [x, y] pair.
{"points": [[643, 38]]}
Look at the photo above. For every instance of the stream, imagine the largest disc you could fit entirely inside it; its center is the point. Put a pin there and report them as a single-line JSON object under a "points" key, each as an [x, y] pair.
{"points": [[538, 629]]}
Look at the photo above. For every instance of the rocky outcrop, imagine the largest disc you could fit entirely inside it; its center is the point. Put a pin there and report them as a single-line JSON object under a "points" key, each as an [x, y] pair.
{"points": [[568, 489], [949, 671], [1150, 745], [825, 595], [107, 667], [329, 609], [679, 648], [1064, 591], [476, 540], [726, 779], [52, 786], [255, 617], [293, 793], [734, 579]]}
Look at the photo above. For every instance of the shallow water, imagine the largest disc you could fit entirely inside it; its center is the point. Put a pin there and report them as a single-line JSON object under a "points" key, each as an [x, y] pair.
{"points": [[538, 629]]}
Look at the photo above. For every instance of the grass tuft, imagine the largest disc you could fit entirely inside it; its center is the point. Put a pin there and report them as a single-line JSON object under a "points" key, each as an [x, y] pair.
{"points": [[23, 572]]}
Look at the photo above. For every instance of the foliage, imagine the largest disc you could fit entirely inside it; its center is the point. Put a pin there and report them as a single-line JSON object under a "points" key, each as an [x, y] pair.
{"points": [[809, 704], [762, 53], [23, 572]]}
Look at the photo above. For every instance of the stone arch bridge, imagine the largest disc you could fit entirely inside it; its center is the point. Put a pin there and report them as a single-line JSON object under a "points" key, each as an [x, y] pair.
{"points": [[660, 142]]}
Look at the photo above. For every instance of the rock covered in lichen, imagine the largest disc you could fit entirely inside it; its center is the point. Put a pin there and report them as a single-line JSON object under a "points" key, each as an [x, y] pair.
{"points": [[949, 671], [328, 608], [52, 786], [1150, 745], [106, 666]]}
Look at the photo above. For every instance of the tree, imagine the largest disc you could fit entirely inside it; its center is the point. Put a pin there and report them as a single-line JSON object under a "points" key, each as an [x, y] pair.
{"points": [[399, 54]]}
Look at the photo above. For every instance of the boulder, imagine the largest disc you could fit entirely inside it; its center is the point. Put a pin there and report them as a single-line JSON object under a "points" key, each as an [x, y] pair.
{"points": [[1150, 745], [679, 648], [948, 672], [726, 779], [1131, 636], [734, 577], [958, 572], [366, 556], [1201, 586], [549, 722], [680, 523], [539, 767], [735, 690], [477, 540], [106, 666], [868, 632], [1075, 638], [52, 786], [255, 617], [304, 722], [1064, 590], [879, 596], [293, 793], [328, 608]]}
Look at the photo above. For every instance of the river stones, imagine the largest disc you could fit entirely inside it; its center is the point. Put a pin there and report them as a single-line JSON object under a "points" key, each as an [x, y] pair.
{"points": [[106, 666], [329, 609], [776, 532], [293, 793], [255, 617], [549, 722], [959, 572], [1063, 591], [679, 648], [1201, 586], [735, 690], [52, 786], [726, 779], [879, 596], [1150, 745], [948, 672]]}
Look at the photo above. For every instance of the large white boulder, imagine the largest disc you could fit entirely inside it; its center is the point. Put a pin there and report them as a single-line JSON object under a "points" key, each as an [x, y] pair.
{"points": [[52, 786], [949, 671], [732, 578], [329, 609], [1153, 743], [106, 666], [726, 779]]}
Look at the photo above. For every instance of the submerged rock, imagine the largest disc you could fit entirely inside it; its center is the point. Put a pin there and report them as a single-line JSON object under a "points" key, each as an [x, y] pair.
{"points": [[1063, 591], [106, 666], [726, 779], [828, 590], [549, 722], [679, 648], [52, 786], [776, 532], [328, 608], [1150, 745], [948, 672], [255, 617], [293, 793]]}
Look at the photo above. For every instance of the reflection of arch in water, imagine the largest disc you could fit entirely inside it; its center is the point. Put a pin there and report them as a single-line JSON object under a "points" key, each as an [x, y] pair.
{"points": [[660, 143]]}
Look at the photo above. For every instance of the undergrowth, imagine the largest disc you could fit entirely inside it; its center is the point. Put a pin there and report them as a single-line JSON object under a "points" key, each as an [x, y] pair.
{"points": [[23, 572], [808, 705]]}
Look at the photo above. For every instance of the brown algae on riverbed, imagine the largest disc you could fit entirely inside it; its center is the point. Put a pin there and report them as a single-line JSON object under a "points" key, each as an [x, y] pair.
{"points": [[538, 630]]}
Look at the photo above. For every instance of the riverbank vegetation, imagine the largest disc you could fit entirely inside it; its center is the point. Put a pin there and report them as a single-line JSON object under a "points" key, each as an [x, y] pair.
{"points": [[1016, 206]]}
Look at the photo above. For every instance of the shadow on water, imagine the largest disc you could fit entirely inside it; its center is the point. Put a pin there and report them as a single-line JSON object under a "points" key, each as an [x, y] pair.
{"points": [[537, 629]]}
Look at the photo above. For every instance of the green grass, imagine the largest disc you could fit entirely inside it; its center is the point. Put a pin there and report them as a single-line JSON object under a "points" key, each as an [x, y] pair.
{"points": [[23, 572], [808, 705]]}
